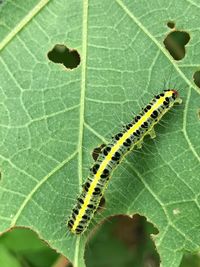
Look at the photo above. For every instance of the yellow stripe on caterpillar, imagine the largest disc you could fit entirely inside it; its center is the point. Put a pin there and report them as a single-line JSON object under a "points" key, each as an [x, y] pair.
{"points": [[113, 153]]}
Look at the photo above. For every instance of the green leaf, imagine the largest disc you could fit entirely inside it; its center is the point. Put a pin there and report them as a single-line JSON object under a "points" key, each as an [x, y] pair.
{"points": [[7, 259], [52, 118], [115, 248], [24, 247]]}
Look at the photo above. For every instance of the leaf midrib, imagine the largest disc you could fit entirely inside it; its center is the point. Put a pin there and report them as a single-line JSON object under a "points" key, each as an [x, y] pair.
{"points": [[82, 109]]}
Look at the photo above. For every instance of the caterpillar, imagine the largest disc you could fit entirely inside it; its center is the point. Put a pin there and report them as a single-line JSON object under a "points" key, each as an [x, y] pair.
{"points": [[130, 136]]}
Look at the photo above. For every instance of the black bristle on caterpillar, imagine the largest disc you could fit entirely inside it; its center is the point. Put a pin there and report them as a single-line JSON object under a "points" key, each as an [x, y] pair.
{"points": [[111, 154]]}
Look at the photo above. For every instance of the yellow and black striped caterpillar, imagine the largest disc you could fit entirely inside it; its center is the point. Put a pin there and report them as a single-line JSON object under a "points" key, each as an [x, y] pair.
{"points": [[132, 135]]}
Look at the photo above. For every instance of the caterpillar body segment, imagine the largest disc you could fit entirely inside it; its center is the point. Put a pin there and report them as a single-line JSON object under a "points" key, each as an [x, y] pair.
{"points": [[110, 156]]}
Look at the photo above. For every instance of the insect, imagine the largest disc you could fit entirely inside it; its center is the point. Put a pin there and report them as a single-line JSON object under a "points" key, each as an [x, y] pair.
{"points": [[130, 136]]}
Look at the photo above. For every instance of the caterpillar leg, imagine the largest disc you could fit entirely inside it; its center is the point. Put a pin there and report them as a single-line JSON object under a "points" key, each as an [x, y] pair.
{"points": [[178, 100], [139, 144], [101, 204], [152, 133]]}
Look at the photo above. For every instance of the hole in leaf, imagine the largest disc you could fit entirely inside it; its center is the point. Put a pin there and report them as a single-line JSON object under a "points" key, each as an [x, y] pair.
{"points": [[97, 151], [175, 43], [61, 54], [190, 260], [196, 78], [171, 24], [123, 241]]}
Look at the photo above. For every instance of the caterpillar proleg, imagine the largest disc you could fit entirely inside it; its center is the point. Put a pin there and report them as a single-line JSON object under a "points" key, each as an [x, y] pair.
{"points": [[131, 136]]}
